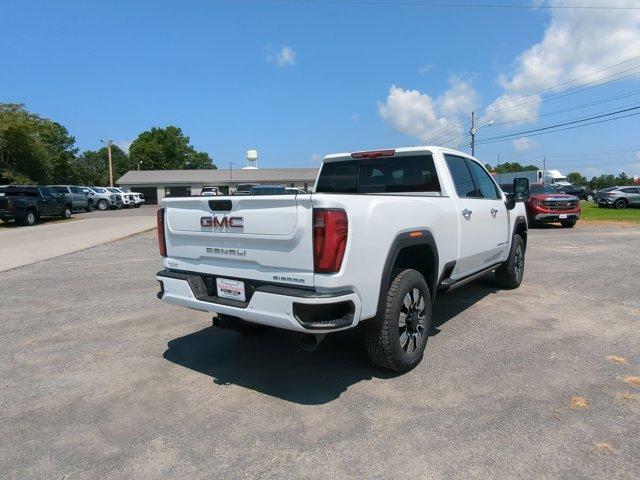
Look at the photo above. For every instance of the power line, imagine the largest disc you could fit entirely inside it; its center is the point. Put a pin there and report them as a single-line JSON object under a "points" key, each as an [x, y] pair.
{"points": [[378, 3], [554, 87], [570, 91], [548, 127], [577, 107], [563, 129]]}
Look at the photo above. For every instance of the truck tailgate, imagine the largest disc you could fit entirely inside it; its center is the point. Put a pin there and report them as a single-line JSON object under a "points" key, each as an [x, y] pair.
{"points": [[263, 238]]}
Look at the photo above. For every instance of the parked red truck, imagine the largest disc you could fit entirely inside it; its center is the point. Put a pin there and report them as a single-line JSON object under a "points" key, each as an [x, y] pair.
{"points": [[546, 205]]}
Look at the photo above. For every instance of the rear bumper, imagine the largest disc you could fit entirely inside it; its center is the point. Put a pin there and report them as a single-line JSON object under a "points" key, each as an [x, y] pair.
{"points": [[277, 306]]}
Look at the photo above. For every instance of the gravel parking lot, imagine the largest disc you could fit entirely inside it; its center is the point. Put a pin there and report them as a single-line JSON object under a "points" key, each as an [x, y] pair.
{"points": [[101, 380]]}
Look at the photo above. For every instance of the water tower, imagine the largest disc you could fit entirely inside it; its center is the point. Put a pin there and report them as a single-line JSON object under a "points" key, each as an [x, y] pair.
{"points": [[252, 160]]}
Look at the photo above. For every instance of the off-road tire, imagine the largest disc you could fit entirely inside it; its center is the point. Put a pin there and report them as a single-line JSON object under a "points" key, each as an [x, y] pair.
{"points": [[620, 204], [103, 205], [240, 326], [509, 274], [382, 334], [569, 223], [30, 218]]}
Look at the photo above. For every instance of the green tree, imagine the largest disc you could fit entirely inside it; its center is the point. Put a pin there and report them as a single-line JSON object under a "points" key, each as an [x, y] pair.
{"points": [[167, 149], [577, 178], [92, 167], [33, 149], [509, 167]]}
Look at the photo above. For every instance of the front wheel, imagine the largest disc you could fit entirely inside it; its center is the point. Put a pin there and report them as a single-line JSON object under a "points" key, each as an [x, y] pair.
{"points": [[66, 213], [103, 205], [397, 339], [509, 274], [589, 197], [620, 204]]}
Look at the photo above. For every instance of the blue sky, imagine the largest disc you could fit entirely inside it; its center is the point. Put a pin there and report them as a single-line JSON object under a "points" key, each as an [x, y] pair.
{"points": [[299, 80]]}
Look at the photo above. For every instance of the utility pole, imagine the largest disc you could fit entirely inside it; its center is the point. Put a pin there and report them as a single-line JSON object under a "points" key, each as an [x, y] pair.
{"points": [[544, 170], [230, 171], [473, 134], [474, 129], [108, 143]]}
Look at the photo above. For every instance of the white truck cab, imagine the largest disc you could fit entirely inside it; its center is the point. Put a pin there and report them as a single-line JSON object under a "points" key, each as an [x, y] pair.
{"points": [[382, 233]]}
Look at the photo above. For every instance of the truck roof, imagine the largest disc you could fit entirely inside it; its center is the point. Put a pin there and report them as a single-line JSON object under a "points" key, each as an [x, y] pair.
{"points": [[386, 152]]}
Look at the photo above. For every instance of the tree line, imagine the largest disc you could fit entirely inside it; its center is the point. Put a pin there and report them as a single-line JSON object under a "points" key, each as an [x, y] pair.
{"points": [[37, 150]]}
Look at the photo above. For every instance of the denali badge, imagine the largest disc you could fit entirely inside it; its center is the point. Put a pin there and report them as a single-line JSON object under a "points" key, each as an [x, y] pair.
{"points": [[230, 252], [222, 222]]}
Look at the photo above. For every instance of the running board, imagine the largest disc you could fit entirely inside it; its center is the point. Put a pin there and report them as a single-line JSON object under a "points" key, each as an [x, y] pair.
{"points": [[449, 284]]}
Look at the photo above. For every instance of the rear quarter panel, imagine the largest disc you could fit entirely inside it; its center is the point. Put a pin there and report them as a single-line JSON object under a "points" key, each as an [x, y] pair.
{"points": [[374, 223]]}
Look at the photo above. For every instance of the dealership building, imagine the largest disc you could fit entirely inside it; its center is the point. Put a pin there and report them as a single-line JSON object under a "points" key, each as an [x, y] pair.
{"points": [[157, 184]]}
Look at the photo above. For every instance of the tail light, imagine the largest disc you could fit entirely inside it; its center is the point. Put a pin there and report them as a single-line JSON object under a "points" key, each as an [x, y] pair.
{"points": [[162, 244], [330, 233]]}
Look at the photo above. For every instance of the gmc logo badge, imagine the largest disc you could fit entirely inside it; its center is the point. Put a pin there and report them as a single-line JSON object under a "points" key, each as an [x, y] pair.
{"points": [[222, 222]]}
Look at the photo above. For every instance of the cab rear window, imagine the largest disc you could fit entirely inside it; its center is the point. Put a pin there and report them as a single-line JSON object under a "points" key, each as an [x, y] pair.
{"points": [[410, 173]]}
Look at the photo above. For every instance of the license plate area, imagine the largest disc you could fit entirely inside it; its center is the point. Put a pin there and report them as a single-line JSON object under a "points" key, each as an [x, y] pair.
{"points": [[562, 215], [231, 289]]}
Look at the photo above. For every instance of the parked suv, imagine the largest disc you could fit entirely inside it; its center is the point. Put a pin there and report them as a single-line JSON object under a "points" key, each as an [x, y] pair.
{"points": [[619, 197], [383, 233], [546, 205], [27, 204], [103, 199], [210, 192], [577, 191], [79, 199]]}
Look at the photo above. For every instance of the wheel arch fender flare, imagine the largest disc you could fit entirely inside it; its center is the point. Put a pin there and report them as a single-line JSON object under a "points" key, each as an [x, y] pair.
{"points": [[410, 239]]}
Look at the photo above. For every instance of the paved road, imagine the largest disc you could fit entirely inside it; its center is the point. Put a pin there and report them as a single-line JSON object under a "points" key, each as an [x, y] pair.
{"points": [[21, 246], [100, 380]]}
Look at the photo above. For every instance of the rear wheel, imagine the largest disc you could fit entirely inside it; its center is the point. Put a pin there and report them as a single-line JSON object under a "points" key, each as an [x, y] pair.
{"points": [[29, 218], [397, 339], [620, 204], [569, 223], [510, 273]]}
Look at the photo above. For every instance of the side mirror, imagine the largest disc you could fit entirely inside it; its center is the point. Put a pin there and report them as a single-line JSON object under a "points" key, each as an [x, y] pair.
{"points": [[520, 189]]}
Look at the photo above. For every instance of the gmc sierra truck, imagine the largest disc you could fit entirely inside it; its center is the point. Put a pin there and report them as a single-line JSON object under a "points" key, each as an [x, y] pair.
{"points": [[382, 233]]}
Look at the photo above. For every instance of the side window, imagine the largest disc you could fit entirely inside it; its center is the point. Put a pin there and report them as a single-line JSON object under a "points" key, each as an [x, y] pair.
{"points": [[61, 189], [461, 176], [76, 190], [484, 184], [45, 192]]}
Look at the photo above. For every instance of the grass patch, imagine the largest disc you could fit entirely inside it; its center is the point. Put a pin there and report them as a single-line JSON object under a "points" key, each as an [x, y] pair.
{"points": [[591, 212], [579, 403]]}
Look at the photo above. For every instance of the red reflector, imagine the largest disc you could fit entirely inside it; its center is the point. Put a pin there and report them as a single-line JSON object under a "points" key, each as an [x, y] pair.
{"points": [[330, 233], [162, 245], [374, 154]]}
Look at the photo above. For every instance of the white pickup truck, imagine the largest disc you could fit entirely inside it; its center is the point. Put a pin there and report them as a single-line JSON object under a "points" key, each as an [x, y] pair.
{"points": [[381, 234]]}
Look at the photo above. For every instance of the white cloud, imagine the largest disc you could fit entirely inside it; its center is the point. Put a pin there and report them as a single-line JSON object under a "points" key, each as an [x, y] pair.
{"points": [[577, 42], [418, 115], [638, 155], [424, 69], [286, 56], [515, 108], [524, 143]]}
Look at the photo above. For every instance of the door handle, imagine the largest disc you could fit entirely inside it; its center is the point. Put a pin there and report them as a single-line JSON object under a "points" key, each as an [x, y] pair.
{"points": [[494, 212], [466, 213]]}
